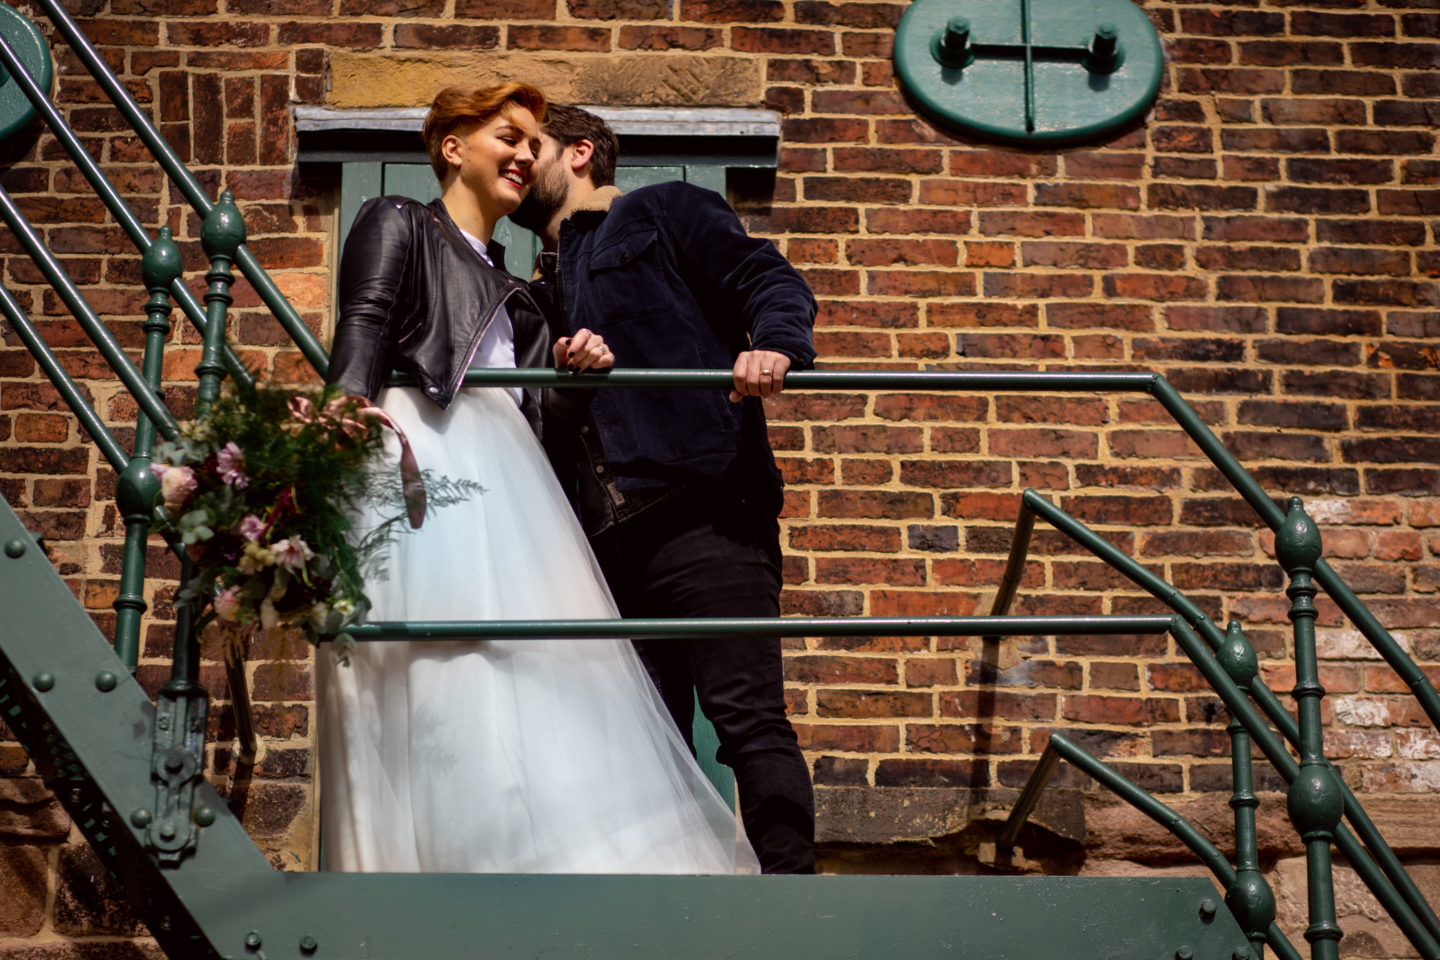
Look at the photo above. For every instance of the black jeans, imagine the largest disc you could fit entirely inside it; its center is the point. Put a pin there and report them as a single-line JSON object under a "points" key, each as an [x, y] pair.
{"points": [[688, 557]]}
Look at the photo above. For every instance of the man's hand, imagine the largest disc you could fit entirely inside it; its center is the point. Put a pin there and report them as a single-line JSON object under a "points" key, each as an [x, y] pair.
{"points": [[584, 351], [759, 373]]}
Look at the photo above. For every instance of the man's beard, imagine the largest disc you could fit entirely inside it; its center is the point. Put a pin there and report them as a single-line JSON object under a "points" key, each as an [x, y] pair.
{"points": [[545, 198]]}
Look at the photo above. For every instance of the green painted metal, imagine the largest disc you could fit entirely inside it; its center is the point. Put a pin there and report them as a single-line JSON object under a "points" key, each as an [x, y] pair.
{"points": [[30, 47], [1261, 502], [96, 330], [757, 627], [1395, 888], [1248, 896], [223, 895], [1314, 799], [1059, 747], [107, 193], [136, 488], [221, 235], [1037, 73], [72, 396], [265, 287]]}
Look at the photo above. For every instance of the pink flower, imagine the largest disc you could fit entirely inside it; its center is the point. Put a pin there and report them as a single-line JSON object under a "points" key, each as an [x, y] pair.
{"points": [[291, 552], [228, 462], [176, 483], [227, 604], [252, 528]]}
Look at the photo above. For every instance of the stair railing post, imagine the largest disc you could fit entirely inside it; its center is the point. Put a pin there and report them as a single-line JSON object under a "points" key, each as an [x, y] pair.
{"points": [[221, 235], [137, 487], [1314, 800], [1249, 897]]}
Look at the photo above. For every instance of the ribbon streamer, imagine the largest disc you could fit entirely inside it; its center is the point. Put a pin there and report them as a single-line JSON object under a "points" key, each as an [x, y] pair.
{"points": [[350, 413]]}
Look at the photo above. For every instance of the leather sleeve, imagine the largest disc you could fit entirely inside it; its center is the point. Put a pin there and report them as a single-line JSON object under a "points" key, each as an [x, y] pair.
{"points": [[373, 269]]}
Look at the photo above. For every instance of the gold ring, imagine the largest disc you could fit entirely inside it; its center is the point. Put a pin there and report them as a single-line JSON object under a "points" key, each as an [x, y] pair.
{"points": [[765, 373]]}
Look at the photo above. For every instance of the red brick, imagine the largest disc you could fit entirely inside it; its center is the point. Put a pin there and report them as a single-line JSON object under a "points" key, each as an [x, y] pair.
{"points": [[726, 11], [850, 537], [874, 504], [1085, 255], [942, 222], [446, 35], [932, 603], [972, 193], [909, 252], [782, 40], [554, 37], [854, 738], [919, 283]]}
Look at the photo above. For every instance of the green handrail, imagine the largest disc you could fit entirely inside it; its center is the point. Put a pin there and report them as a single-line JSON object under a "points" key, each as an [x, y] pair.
{"points": [[1324, 574], [117, 206], [40, 350], [1418, 910], [269, 293], [1060, 747], [692, 628], [96, 330]]}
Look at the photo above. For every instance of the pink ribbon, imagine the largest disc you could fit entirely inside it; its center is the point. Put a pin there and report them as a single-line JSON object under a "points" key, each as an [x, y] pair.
{"points": [[350, 414]]}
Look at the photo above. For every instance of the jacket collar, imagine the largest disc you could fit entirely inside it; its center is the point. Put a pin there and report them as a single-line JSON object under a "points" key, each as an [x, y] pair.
{"points": [[455, 235], [598, 202]]}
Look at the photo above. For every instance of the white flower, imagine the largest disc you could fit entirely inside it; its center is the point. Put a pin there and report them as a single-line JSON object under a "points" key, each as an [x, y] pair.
{"points": [[291, 552], [252, 528], [227, 604], [228, 462], [176, 483]]}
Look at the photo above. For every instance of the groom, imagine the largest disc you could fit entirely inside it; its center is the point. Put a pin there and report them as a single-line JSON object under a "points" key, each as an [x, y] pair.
{"points": [[677, 489]]}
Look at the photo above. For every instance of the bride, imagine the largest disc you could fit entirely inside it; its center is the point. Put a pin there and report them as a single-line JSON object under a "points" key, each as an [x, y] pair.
{"points": [[512, 756]]}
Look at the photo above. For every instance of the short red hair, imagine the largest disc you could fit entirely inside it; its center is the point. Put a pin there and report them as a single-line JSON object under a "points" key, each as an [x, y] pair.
{"points": [[460, 109]]}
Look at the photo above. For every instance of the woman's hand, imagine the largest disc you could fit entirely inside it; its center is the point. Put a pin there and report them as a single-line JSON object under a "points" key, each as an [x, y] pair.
{"points": [[584, 351]]}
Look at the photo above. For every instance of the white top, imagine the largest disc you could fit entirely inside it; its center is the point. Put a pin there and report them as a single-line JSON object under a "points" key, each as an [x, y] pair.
{"points": [[497, 345]]}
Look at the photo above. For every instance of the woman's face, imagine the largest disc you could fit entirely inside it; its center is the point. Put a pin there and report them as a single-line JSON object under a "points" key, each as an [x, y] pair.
{"points": [[496, 161]]}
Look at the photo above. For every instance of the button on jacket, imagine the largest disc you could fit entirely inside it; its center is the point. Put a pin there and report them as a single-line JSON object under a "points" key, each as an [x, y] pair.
{"points": [[668, 275], [416, 297]]}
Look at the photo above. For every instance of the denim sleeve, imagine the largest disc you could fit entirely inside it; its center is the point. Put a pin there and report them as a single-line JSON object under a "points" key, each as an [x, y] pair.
{"points": [[755, 288]]}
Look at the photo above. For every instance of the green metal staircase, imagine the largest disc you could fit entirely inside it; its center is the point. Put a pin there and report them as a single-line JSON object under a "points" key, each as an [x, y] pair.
{"points": [[130, 771]]}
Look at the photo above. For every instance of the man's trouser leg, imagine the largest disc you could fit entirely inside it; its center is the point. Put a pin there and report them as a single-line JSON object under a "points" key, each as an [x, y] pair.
{"points": [[674, 564]]}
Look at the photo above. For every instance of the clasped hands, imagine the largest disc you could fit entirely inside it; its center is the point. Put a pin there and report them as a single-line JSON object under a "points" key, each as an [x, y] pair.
{"points": [[757, 373]]}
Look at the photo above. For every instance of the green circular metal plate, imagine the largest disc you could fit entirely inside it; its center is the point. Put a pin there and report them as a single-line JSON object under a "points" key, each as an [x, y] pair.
{"points": [[24, 38], [1029, 71]]}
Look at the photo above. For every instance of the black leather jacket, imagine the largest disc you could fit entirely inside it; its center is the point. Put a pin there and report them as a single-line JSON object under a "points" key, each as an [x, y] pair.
{"points": [[415, 297]]}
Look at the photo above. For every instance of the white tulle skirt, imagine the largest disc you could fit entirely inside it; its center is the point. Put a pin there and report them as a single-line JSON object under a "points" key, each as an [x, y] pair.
{"points": [[504, 756]]}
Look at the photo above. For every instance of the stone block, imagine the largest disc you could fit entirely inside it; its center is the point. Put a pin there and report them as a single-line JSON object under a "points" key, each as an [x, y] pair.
{"points": [[373, 80], [88, 901], [28, 811], [22, 890], [872, 815]]}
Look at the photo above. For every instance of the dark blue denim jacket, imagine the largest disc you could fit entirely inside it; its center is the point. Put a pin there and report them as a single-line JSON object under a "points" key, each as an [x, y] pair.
{"points": [[668, 275]]}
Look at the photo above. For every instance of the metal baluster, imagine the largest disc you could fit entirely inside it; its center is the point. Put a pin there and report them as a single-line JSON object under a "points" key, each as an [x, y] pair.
{"points": [[136, 488], [1249, 897], [1314, 799]]}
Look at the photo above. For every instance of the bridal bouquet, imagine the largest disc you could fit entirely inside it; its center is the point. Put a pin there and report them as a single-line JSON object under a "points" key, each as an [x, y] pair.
{"points": [[262, 490]]}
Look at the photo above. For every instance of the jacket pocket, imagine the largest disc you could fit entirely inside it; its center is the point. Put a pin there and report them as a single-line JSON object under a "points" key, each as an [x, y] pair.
{"points": [[633, 246]]}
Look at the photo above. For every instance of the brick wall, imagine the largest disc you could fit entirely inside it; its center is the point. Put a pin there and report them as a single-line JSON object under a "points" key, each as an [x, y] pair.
{"points": [[1267, 241]]}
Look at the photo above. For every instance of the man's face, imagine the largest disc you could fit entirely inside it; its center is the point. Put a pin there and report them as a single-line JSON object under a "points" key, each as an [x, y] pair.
{"points": [[550, 189]]}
